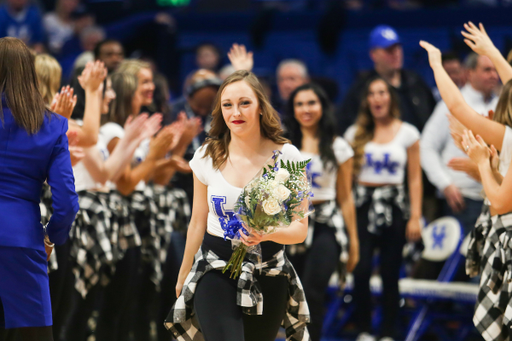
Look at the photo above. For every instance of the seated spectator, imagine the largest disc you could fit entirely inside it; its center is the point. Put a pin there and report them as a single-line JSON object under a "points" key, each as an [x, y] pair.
{"points": [[290, 74], [455, 70], [21, 19], [89, 38], [208, 57], [416, 99], [59, 25]]}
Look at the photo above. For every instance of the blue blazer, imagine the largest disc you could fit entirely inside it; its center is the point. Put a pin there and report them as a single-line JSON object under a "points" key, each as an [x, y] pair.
{"points": [[26, 161]]}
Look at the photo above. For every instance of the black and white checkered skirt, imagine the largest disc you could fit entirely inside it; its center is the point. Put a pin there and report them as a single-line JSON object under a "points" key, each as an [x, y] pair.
{"points": [[327, 213], [124, 234], [91, 247], [182, 321], [477, 237], [382, 201], [493, 311]]}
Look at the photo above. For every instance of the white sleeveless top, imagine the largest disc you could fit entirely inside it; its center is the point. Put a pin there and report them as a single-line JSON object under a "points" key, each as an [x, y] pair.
{"points": [[385, 163], [222, 196], [83, 179], [112, 130], [506, 151], [323, 180]]}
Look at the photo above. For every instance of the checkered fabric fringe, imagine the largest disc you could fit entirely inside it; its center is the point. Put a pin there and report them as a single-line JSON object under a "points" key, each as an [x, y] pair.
{"points": [[493, 311], [474, 264], [382, 200], [183, 323]]}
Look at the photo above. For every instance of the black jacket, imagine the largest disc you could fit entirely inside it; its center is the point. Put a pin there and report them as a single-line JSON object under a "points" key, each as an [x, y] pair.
{"points": [[416, 100]]}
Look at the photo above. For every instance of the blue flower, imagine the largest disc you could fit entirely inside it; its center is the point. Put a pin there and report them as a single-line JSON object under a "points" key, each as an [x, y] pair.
{"points": [[265, 175], [276, 169], [276, 154]]}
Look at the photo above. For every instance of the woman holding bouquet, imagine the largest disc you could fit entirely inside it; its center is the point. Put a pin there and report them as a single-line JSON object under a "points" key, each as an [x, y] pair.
{"points": [[244, 136], [385, 150], [34, 148], [312, 130]]}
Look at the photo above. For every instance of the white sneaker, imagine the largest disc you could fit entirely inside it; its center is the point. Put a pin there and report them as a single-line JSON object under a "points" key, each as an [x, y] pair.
{"points": [[365, 337], [386, 338]]}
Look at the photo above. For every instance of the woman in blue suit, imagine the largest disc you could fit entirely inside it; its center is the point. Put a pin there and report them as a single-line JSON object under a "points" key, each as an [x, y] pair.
{"points": [[33, 148]]}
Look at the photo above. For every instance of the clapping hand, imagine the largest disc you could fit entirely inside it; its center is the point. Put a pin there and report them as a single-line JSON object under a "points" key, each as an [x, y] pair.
{"points": [[240, 58], [477, 39], [434, 54], [463, 164], [93, 76], [64, 102], [456, 130], [159, 145], [475, 147]]}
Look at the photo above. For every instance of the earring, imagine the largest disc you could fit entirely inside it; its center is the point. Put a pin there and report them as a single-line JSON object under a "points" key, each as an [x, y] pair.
{"points": [[261, 113]]}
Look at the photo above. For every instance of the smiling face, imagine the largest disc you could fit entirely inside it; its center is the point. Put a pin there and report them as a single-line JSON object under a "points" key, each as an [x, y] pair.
{"points": [[145, 87], [379, 99], [307, 108], [241, 109], [109, 95]]}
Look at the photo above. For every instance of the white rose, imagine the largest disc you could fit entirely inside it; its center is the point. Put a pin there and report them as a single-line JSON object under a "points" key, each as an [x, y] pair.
{"points": [[282, 175], [271, 206], [281, 193]]}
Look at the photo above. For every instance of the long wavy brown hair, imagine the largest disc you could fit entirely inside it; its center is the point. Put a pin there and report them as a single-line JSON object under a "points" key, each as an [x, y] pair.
{"points": [[219, 135], [19, 85], [365, 124]]}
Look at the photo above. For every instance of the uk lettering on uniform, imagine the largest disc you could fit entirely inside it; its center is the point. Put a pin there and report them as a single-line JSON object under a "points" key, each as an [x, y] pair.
{"points": [[312, 175], [379, 165], [218, 203]]}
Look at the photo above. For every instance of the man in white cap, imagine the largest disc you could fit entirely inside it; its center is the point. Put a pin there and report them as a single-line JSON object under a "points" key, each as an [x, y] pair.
{"points": [[416, 99]]}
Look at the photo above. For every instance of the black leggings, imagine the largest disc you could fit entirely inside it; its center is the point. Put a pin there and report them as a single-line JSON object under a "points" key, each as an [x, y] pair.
{"points": [[24, 334], [315, 268], [390, 243], [221, 319]]}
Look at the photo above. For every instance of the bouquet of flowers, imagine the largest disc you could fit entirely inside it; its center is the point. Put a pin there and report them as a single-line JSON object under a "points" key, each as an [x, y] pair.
{"points": [[275, 199]]}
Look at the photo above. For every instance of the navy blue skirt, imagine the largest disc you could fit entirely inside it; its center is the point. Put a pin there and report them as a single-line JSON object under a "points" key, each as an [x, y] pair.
{"points": [[24, 288]]}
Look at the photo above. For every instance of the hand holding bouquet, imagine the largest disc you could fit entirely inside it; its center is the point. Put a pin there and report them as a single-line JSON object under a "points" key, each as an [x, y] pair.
{"points": [[275, 199]]}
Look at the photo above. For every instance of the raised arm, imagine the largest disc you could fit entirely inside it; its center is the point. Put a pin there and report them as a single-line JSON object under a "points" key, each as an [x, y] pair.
{"points": [[136, 131], [91, 81], [491, 131], [157, 150], [478, 40], [498, 195], [346, 202], [240, 58], [195, 232]]}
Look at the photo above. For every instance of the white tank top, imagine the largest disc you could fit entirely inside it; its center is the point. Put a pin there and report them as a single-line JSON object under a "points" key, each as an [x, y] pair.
{"points": [[385, 163], [112, 130], [323, 179], [83, 179], [222, 196]]}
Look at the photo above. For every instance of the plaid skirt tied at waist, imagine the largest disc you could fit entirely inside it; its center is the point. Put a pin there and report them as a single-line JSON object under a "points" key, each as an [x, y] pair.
{"points": [[382, 199], [183, 323], [493, 311], [474, 264]]}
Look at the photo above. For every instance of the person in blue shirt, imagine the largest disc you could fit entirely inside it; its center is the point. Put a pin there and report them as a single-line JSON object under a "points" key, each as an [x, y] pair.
{"points": [[33, 149], [21, 19]]}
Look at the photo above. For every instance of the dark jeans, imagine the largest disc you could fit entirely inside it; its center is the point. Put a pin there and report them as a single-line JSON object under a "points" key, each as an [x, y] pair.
{"points": [[390, 243]]}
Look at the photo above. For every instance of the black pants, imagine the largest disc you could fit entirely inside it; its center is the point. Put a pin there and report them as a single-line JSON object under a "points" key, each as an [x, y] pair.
{"points": [[221, 319], [315, 268], [24, 334], [390, 243]]}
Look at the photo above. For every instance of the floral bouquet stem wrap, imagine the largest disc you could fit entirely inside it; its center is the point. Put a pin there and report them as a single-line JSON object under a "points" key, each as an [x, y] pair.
{"points": [[274, 199]]}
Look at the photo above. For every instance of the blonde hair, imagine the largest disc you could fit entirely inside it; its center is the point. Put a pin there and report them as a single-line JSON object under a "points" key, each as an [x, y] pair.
{"points": [[365, 124], [124, 84], [49, 73], [219, 135], [132, 66]]}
